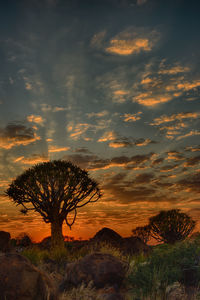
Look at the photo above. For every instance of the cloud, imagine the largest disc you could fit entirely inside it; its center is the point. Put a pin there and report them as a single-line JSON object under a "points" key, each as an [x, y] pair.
{"points": [[36, 119], [53, 149], [77, 130], [150, 100], [193, 148], [189, 134], [174, 70], [144, 178], [161, 83], [132, 41], [127, 47], [93, 162], [132, 117], [175, 155], [191, 183], [33, 159], [141, 2], [108, 136], [192, 161], [175, 117], [97, 115], [16, 134]]}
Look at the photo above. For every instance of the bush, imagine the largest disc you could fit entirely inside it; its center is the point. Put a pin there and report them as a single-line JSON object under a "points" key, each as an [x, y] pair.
{"points": [[165, 266]]}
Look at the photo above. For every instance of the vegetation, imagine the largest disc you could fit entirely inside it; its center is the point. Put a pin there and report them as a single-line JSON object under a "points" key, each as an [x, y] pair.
{"points": [[168, 226], [166, 265], [54, 189], [171, 226], [144, 233]]}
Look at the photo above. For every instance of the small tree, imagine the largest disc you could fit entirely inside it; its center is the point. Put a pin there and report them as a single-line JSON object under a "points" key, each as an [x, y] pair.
{"points": [[144, 233], [171, 226], [54, 189]]}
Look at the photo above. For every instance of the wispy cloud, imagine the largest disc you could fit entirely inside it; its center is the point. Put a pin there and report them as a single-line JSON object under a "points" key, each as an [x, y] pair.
{"points": [[33, 159], [132, 117], [108, 136], [36, 119], [97, 114], [53, 149], [189, 134], [174, 117], [132, 41]]}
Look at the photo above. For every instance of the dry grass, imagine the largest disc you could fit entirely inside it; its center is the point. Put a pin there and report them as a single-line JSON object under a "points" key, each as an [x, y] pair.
{"points": [[81, 293]]}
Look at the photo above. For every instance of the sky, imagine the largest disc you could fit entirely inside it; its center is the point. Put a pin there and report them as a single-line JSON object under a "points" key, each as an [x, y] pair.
{"points": [[112, 86]]}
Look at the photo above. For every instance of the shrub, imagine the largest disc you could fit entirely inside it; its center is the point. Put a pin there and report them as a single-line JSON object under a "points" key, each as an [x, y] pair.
{"points": [[165, 266]]}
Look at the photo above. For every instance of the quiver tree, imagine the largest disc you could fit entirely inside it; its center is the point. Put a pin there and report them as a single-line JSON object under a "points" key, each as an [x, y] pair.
{"points": [[144, 233], [171, 226], [54, 189]]}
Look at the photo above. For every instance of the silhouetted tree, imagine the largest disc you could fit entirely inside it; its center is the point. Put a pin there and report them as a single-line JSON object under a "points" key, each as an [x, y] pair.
{"points": [[171, 226], [144, 233], [54, 189]]}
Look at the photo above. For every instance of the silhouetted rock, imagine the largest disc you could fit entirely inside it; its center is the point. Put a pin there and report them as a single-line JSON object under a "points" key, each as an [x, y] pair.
{"points": [[102, 269], [128, 246], [107, 235], [19, 280], [134, 245], [45, 243], [4, 241]]}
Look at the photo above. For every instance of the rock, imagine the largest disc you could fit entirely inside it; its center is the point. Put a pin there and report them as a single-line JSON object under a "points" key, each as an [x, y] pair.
{"points": [[107, 235], [4, 241], [19, 280], [134, 245], [128, 246], [45, 243], [102, 269]]}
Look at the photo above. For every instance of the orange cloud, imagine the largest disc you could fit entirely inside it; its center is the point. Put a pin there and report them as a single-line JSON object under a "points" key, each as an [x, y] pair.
{"points": [[191, 133], [108, 136], [35, 119], [174, 70], [58, 149], [132, 117], [34, 159], [127, 47], [174, 117], [150, 100]]}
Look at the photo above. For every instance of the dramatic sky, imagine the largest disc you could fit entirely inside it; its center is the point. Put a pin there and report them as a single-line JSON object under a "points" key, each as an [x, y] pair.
{"points": [[113, 86]]}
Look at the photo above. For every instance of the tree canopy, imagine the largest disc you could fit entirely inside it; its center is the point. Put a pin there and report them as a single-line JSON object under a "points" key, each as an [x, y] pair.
{"points": [[144, 233], [171, 226], [54, 189]]}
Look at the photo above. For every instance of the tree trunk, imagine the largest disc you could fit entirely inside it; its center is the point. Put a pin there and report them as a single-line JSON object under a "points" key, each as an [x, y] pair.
{"points": [[57, 240]]}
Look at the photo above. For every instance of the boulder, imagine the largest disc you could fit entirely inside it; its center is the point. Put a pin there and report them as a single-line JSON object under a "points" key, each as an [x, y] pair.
{"points": [[134, 245], [4, 241], [107, 235], [102, 269], [20, 280]]}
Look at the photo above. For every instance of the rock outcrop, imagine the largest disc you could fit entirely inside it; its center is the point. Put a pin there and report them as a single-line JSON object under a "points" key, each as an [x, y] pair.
{"points": [[4, 241], [20, 280], [102, 269]]}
